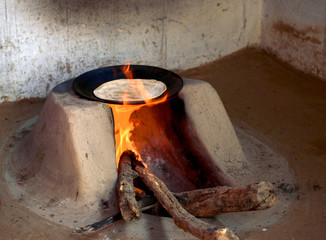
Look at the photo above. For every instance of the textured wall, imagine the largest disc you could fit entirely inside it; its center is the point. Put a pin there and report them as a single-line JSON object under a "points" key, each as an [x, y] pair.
{"points": [[296, 32], [44, 42]]}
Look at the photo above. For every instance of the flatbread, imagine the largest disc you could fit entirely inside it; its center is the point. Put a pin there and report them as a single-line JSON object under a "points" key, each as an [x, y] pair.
{"points": [[130, 90]]}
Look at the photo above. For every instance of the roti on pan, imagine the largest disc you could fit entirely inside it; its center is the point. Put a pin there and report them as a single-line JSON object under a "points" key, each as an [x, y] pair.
{"points": [[130, 90]]}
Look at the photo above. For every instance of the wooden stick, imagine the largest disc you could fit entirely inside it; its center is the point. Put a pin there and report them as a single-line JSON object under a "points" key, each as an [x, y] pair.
{"points": [[207, 202], [201, 203], [210, 202], [181, 217], [125, 188]]}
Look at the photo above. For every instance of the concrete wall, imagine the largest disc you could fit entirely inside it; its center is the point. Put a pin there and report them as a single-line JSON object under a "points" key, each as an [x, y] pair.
{"points": [[296, 32], [45, 42]]}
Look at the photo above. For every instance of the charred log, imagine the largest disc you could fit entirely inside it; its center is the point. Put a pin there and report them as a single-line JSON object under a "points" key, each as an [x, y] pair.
{"points": [[181, 217], [184, 206], [210, 202], [125, 188]]}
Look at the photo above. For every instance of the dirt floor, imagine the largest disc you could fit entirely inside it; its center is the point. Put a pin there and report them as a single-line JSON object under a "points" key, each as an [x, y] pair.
{"points": [[264, 97]]}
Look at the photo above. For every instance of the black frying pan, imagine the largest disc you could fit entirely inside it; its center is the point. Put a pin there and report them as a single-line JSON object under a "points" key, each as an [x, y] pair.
{"points": [[85, 84]]}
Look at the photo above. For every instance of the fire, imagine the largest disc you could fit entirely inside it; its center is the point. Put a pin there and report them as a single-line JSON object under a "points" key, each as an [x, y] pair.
{"points": [[138, 89], [122, 113]]}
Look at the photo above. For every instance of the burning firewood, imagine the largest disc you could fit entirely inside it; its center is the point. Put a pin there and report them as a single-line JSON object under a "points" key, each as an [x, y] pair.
{"points": [[181, 217], [126, 193], [184, 206], [207, 202]]}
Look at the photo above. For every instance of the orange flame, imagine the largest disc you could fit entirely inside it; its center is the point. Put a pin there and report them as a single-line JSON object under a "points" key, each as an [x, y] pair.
{"points": [[126, 71], [122, 113]]}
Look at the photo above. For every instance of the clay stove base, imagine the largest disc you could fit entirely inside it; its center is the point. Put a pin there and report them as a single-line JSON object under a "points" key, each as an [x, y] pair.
{"points": [[65, 167], [260, 164]]}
